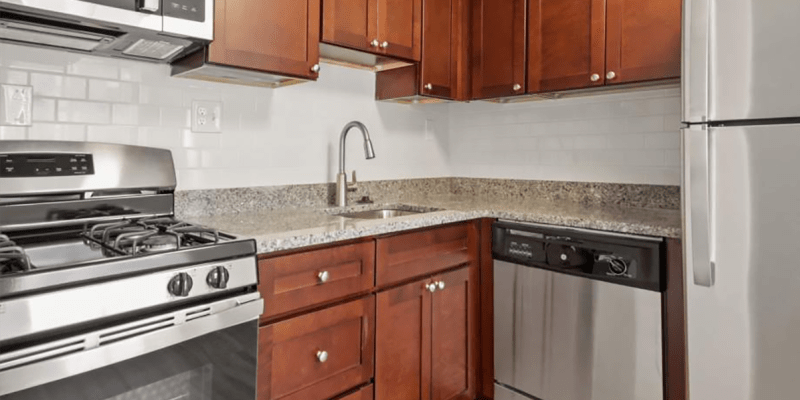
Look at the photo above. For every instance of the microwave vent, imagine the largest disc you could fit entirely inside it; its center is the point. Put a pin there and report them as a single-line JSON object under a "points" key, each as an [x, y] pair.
{"points": [[154, 49]]}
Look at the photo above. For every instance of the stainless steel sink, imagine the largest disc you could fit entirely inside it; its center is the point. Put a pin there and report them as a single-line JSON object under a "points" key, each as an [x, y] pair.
{"points": [[381, 213]]}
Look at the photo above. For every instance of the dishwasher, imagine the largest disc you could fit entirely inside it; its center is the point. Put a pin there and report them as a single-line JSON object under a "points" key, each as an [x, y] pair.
{"points": [[577, 314]]}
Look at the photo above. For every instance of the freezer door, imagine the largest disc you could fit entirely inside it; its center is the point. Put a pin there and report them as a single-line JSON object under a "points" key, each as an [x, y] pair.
{"points": [[743, 328], [740, 59]]}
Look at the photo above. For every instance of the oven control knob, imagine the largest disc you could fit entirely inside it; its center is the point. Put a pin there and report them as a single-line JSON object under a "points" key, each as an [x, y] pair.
{"points": [[180, 285], [218, 277]]}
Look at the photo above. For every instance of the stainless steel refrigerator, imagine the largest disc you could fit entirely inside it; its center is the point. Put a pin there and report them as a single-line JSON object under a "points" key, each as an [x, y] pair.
{"points": [[741, 186]]}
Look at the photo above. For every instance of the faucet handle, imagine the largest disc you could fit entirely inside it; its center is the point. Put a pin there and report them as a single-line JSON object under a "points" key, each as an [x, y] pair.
{"points": [[354, 184]]}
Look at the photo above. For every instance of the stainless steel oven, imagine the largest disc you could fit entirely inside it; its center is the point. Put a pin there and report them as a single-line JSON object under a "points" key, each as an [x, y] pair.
{"points": [[104, 294]]}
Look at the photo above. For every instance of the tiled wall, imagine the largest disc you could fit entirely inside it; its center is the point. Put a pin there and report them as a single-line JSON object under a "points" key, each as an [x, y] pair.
{"points": [[269, 137], [290, 135], [627, 138]]}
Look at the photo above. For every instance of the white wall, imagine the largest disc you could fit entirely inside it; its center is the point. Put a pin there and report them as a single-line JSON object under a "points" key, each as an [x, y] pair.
{"points": [[290, 135], [629, 137], [270, 136]]}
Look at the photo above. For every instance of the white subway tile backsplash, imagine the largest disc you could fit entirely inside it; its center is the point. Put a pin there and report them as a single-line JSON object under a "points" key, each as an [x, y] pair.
{"points": [[112, 91], [93, 67], [156, 95], [49, 131], [13, 132], [84, 112], [160, 137], [191, 139], [673, 158], [58, 86], [113, 134], [663, 140], [175, 117], [13, 77], [44, 109]]}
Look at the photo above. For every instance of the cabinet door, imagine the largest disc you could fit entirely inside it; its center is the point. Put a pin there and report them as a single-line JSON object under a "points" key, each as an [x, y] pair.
{"points": [[317, 356], [643, 40], [398, 24], [498, 56], [403, 346], [453, 339], [566, 44], [345, 23], [274, 36], [443, 48]]}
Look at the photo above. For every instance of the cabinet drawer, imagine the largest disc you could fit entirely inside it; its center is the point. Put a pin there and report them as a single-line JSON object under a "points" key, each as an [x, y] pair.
{"points": [[364, 393], [295, 281], [318, 355], [421, 253]]}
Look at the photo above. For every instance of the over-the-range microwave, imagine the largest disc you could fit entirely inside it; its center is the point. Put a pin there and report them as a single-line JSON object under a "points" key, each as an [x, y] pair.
{"points": [[149, 30]]}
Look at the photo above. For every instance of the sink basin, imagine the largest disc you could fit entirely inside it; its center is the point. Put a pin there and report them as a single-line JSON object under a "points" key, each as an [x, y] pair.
{"points": [[384, 211], [380, 214]]}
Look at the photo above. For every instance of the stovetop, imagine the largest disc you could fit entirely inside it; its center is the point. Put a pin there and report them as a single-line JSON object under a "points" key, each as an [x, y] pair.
{"points": [[104, 241]]}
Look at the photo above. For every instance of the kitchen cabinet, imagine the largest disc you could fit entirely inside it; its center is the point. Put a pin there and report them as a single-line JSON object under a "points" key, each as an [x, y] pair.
{"points": [[426, 338], [498, 48], [318, 355], [643, 40], [364, 393], [578, 44], [385, 27], [443, 70], [273, 36], [298, 281]]}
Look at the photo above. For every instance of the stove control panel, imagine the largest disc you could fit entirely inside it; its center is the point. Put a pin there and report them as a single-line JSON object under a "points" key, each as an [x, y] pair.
{"points": [[28, 165]]}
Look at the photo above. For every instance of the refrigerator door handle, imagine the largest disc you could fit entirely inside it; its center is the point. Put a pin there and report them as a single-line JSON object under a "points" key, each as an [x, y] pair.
{"points": [[697, 205]]}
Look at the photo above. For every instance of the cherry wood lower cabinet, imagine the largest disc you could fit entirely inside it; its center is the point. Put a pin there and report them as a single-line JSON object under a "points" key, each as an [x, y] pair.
{"points": [[364, 393], [319, 355], [426, 338], [296, 281]]}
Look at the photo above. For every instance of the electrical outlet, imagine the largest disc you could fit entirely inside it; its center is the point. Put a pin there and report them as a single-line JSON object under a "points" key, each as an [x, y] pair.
{"points": [[206, 116], [16, 105]]}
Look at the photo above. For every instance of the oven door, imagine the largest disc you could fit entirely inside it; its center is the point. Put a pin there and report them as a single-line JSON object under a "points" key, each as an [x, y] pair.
{"points": [[200, 353]]}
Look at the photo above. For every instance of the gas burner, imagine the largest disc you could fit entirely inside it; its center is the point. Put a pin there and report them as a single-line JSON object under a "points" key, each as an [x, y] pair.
{"points": [[148, 236], [12, 257]]}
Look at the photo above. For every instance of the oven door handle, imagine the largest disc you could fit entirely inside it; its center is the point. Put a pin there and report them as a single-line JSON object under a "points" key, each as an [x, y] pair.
{"points": [[38, 365]]}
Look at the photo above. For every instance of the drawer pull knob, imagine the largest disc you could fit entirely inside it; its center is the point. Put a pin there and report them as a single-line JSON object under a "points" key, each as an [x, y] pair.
{"points": [[431, 287], [384, 45], [440, 284], [322, 356], [323, 276], [374, 43]]}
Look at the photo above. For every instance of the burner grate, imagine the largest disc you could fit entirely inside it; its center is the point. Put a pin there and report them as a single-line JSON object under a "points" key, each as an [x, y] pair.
{"points": [[149, 235]]}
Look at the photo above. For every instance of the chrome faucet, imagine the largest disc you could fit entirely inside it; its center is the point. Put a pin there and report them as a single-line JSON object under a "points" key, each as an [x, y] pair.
{"points": [[342, 187]]}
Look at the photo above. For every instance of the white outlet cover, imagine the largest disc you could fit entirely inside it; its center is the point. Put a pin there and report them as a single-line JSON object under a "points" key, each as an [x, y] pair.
{"points": [[206, 116], [16, 105]]}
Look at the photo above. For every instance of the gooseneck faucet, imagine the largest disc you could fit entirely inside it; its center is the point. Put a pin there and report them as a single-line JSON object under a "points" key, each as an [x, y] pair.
{"points": [[341, 178]]}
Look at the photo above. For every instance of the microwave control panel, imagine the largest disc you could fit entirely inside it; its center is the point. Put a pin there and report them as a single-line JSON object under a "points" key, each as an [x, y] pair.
{"points": [[191, 10], [45, 164]]}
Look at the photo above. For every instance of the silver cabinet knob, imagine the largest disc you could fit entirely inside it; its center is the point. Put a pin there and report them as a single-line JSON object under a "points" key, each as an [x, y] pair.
{"points": [[322, 356], [440, 284], [384, 45], [374, 43], [595, 77], [315, 68], [517, 87], [611, 75], [428, 86], [323, 276], [431, 287]]}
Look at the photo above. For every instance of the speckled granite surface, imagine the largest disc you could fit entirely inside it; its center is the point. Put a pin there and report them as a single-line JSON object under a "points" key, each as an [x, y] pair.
{"points": [[280, 227]]}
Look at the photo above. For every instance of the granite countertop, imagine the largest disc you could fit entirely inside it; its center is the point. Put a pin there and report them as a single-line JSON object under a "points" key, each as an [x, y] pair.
{"points": [[291, 228]]}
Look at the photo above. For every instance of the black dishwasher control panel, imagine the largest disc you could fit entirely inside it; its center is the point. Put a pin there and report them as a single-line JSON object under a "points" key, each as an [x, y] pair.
{"points": [[624, 259], [28, 165]]}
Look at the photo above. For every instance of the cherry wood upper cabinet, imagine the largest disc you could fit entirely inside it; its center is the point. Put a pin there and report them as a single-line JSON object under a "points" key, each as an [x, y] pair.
{"points": [[643, 40], [386, 27], [566, 44], [444, 46], [498, 48], [275, 36]]}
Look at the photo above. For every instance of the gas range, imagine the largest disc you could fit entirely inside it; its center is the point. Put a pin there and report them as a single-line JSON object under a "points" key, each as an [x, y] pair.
{"points": [[90, 249]]}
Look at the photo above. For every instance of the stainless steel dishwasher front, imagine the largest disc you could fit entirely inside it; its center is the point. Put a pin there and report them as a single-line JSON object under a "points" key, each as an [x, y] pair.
{"points": [[566, 337]]}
